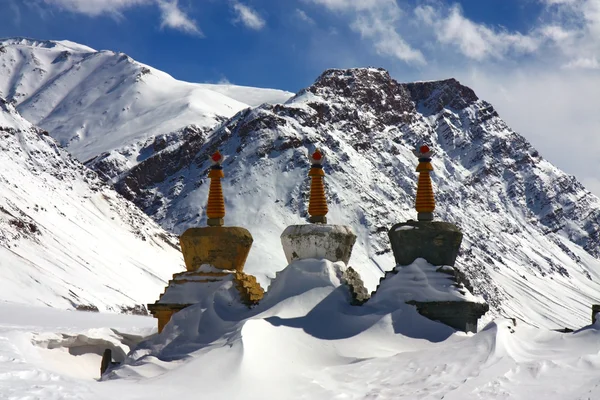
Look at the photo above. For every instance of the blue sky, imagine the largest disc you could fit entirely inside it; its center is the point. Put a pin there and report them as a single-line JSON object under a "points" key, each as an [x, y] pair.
{"points": [[536, 61], [286, 46]]}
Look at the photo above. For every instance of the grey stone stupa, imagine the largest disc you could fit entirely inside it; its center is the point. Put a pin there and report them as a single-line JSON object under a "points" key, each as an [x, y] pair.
{"points": [[438, 243]]}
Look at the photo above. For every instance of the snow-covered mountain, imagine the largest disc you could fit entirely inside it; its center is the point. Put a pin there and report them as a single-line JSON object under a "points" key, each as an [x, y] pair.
{"points": [[531, 231], [66, 238], [95, 102]]}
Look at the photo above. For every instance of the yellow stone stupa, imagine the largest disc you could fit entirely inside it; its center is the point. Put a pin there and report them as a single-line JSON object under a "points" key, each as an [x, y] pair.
{"points": [[212, 254]]}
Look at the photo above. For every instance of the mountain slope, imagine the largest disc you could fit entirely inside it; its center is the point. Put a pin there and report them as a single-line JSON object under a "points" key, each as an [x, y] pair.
{"points": [[98, 101], [67, 239], [531, 231]]}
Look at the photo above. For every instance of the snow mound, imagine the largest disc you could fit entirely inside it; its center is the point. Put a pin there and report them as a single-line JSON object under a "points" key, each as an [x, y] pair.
{"points": [[79, 355], [219, 350], [306, 301], [421, 281]]}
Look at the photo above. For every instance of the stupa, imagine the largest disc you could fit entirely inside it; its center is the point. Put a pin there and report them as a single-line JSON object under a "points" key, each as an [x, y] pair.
{"points": [[212, 255], [438, 243], [318, 239]]}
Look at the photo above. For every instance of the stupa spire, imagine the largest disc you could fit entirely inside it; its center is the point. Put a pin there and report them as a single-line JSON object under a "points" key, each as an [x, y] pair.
{"points": [[317, 206], [425, 202], [215, 207]]}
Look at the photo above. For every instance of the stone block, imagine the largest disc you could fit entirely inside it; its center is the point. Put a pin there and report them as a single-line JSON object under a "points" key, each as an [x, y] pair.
{"points": [[223, 247], [330, 242], [437, 242], [359, 293], [251, 293], [595, 311], [164, 312], [460, 315]]}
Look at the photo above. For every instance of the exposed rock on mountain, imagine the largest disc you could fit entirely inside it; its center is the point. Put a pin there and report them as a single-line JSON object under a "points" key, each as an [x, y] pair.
{"points": [[531, 232]]}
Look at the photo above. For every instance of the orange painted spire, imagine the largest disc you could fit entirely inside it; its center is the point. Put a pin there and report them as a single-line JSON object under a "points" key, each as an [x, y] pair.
{"points": [[317, 206], [425, 202], [215, 208]]}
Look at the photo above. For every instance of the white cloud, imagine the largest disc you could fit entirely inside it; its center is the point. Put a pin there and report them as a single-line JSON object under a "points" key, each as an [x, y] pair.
{"points": [[171, 15], [16, 11], [302, 16], [475, 41], [376, 21], [94, 8], [584, 63], [249, 17]]}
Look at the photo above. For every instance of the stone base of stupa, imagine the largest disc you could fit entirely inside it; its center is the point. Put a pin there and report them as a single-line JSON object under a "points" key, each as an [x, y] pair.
{"points": [[188, 288], [330, 242], [460, 315]]}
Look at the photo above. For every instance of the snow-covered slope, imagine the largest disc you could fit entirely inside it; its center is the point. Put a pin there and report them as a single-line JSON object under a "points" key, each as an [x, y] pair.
{"points": [[531, 231], [98, 101], [67, 239]]}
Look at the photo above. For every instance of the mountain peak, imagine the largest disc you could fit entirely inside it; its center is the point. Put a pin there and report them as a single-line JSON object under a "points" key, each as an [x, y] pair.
{"points": [[432, 96], [46, 44], [349, 82], [375, 90]]}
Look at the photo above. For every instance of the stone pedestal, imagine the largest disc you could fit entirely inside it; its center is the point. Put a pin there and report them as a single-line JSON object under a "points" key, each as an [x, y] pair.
{"points": [[460, 315], [222, 247], [164, 312], [330, 242], [436, 242], [212, 255], [595, 311]]}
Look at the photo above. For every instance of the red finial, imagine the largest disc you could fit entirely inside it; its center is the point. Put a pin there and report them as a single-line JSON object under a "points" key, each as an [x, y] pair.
{"points": [[424, 149], [317, 157], [217, 156]]}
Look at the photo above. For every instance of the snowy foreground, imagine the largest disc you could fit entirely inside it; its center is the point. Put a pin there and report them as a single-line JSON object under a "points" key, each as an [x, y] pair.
{"points": [[302, 342]]}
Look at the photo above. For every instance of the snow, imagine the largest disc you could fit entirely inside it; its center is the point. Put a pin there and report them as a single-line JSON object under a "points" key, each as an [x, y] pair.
{"points": [[250, 95], [66, 239], [405, 228], [303, 340], [421, 281], [192, 291], [99, 101]]}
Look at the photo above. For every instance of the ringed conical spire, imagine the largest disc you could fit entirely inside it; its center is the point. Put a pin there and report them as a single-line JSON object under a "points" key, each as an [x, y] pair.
{"points": [[317, 206], [425, 201], [215, 207]]}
